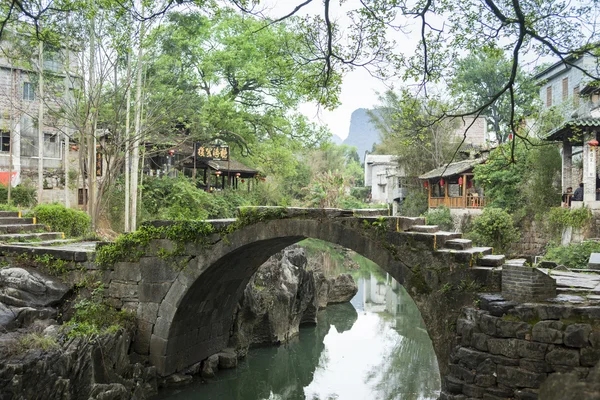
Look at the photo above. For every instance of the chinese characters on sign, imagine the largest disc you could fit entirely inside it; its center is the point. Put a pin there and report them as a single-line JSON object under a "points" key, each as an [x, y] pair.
{"points": [[98, 164], [211, 152]]}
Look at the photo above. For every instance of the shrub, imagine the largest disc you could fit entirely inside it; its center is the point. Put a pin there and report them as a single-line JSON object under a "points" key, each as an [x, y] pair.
{"points": [[20, 195], [494, 228], [559, 218], [574, 255], [94, 317], [441, 217], [37, 341], [414, 204], [63, 219]]}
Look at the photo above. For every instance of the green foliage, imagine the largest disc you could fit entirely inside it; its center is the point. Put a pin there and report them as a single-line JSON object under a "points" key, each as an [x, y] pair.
{"points": [[480, 75], [94, 317], [559, 218], [522, 181], [494, 228], [574, 255], [8, 207], [53, 266], [20, 196], [62, 219], [415, 204], [37, 341], [441, 217]]}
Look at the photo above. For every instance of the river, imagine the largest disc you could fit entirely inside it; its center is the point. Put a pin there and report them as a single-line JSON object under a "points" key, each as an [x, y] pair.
{"points": [[375, 348]]}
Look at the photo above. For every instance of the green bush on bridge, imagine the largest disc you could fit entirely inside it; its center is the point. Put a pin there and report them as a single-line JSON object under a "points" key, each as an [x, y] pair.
{"points": [[441, 217], [574, 255], [494, 228], [62, 219]]}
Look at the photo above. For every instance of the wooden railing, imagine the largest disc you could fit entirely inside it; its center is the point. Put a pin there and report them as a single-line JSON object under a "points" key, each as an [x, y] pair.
{"points": [[457, 202]]}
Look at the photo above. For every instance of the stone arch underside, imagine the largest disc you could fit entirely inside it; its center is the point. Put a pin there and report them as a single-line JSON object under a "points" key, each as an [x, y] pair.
{"points": [[195, 316]]}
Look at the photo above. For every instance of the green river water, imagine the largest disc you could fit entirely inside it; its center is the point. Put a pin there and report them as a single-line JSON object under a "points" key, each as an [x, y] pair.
{"points": [[375, 347]]}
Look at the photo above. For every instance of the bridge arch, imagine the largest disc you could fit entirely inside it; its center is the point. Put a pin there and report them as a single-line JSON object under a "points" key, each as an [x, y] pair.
{"points": [[195, 315]]}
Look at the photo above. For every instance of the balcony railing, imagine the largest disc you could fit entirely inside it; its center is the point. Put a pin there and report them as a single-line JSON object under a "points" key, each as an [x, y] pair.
{"points": [[458, 202]]}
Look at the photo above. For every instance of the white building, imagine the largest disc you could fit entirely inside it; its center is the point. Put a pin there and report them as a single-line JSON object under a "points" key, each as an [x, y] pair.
{"points": [[382, 175]]}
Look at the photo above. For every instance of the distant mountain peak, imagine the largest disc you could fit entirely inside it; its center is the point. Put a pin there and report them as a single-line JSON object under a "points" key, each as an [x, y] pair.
{"points": [[337, 140], [362, 133]]}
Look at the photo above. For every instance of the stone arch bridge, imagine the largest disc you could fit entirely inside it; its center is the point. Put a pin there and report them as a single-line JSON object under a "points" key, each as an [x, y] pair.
{"points": [[184, 288]]}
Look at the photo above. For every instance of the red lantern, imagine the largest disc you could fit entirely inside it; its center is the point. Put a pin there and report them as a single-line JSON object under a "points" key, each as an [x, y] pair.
{"points": [[238, 174], [426, 184], [460, 181], [243, 181], [218, 173], [171, 152], [510, 136], [593, 143], [469, 184], [442, 182]]}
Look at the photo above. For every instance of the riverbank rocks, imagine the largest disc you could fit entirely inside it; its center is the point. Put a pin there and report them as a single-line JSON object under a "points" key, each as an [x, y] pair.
{"points": [[283, 295], [28, 287], [342, 289], [513, 356]]}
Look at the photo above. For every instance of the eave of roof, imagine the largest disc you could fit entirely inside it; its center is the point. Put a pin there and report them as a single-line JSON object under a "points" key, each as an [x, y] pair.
{"points": [[574, 126], [452, 169]]}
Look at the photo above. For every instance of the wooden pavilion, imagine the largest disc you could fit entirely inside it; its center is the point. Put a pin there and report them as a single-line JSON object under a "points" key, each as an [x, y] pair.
{"points": [[452, 185]]}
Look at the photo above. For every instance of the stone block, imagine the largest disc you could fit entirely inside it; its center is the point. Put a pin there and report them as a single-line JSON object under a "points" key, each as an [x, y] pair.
{"points": [[502, 360], [485, 380], [595, 339], [122, 290], [532, 350], [512, 329], [504, 347], [470, 358], [548, 332], [579, 372], [465, 328], [155, 269], [473, 391], [526, 394], [479, 341], [577, 335], [538, 366], [126, 271], [487, 324], [147, 311], [453, 385], [143, 336], [519, 378], [487, 367], [461, 373], [500, 391], [562, 356], [153, 292], [588, 357], [158, 346], [227, 359]]}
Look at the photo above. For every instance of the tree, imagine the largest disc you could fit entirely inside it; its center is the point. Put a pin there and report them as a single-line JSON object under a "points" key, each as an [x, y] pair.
{"points": [[480, 76]]}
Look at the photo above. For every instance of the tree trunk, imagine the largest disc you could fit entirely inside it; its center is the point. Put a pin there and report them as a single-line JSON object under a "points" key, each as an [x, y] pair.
{"points": [[127, 146], [40, 122], [138, 132]]}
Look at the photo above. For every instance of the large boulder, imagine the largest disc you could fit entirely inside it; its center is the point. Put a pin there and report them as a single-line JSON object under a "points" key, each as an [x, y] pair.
{"points": [[28, 287], [7, 318], [341, 289]]}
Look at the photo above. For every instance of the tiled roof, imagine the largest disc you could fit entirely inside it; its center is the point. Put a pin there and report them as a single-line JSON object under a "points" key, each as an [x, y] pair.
{"points": [[571, 127], [452, 169]]}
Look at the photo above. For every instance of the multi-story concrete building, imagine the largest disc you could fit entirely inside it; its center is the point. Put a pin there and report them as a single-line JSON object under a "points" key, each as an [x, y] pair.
{"points": [[19, 106]]}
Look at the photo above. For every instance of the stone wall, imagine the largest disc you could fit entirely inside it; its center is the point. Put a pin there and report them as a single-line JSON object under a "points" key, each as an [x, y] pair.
{"points": [[533, 240], [507, 350], [521, 282]]}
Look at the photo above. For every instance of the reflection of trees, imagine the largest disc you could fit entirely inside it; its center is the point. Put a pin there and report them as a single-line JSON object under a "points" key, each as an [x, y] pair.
{"points": [[409, 371]]}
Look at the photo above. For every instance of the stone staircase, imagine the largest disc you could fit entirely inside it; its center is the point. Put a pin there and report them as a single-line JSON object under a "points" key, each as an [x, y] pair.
{"points": [[462, 250], [20, 235]]}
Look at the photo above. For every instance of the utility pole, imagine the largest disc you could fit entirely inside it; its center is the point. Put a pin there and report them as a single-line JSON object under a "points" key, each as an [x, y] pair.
{"points": [[91, 142], [127, 145], [66, 97]]}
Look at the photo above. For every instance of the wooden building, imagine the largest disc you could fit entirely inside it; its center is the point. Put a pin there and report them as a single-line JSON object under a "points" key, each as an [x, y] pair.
{"points": [[452, 185]]}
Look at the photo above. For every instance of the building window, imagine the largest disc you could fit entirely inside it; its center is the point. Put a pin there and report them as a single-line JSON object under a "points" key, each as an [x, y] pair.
{"points": [[51, 145], [549, 96], [576, 96], [4, 141], [28, 92], [82, 196], [565, 89]]}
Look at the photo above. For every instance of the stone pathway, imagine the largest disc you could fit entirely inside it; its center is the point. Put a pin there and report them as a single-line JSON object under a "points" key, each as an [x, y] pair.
{"points": [[576, 286]]}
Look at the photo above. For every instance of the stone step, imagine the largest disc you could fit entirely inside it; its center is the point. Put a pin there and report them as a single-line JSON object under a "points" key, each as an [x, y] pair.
{"points": [[21, 228], [79, 251], [458, 244], [491, 260], [468, 255], [15, 221], [24, 237], [10, 214], [433, 240], [51, 242], [424, 228]]}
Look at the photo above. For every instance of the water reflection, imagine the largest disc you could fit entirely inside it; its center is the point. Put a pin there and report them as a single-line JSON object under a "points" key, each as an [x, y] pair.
{"points": [[374, 348]]}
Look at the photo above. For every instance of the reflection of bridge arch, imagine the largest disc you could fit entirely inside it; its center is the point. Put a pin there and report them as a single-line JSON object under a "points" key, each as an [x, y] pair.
{"points": [[195, 312]]}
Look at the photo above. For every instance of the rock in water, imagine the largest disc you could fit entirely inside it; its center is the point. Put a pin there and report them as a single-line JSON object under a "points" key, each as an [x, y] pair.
{"points": [[28, 287], [341, 289]]}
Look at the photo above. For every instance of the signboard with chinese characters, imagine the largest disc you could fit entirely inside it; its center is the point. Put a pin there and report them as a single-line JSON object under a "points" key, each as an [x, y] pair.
{"points": [[99, 164], [211, 152]]}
